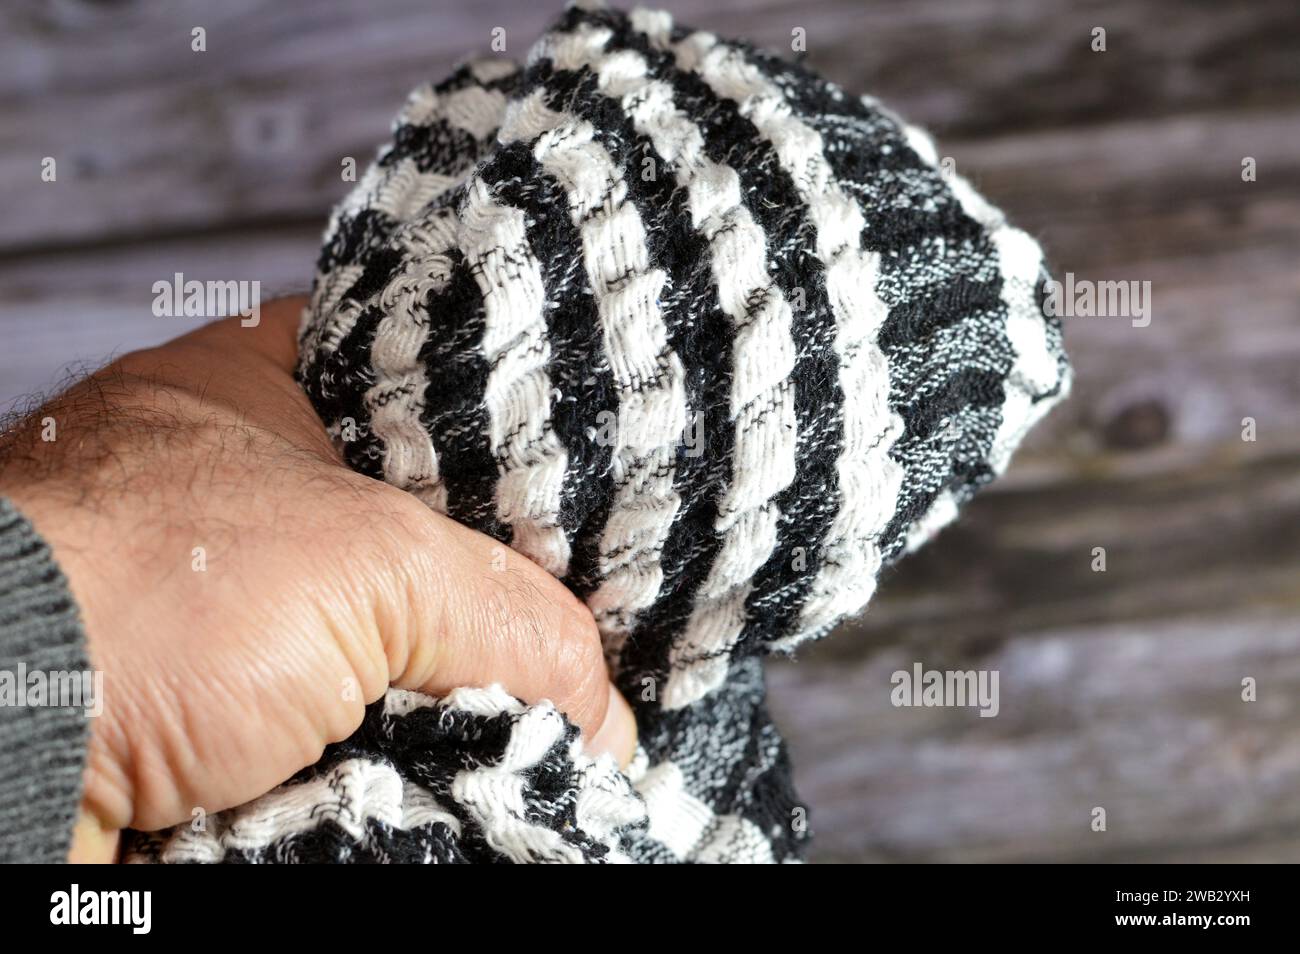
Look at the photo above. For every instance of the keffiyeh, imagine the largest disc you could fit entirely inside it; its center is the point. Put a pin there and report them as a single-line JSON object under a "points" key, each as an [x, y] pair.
{"points": [[711, 341]]}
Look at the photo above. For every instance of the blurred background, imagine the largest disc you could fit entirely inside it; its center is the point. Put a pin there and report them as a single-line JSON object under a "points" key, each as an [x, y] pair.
{"points": [[1170, 156]]}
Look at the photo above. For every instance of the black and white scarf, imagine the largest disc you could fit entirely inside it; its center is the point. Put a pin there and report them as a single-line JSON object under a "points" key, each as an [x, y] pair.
{"points": [[704, 336]]}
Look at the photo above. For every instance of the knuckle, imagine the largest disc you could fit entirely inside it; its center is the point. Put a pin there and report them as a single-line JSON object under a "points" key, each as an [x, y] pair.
{"points": [[577, 668]]}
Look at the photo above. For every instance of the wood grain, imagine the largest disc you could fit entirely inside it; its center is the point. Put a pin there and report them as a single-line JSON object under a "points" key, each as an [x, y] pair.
{"points": [[152, 136], [1144, 720], [1119, 689]]}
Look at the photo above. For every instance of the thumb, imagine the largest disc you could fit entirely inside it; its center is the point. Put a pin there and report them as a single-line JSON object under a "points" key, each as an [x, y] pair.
{"points": [[468, 611]]}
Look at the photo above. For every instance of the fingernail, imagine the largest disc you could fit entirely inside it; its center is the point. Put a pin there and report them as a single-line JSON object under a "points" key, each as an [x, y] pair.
{"points": [[617, 734]]}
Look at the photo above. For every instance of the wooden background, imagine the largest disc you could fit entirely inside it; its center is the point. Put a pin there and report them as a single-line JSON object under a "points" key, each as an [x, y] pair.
{"points": [[1119, 689]]}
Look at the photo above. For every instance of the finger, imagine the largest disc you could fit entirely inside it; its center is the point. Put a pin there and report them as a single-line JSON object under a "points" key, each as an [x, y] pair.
{"points": [[617, 735], [475, 613]]}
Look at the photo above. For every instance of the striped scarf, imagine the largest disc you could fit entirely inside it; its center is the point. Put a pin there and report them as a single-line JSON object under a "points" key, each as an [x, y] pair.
{"points": [[708, 339]]}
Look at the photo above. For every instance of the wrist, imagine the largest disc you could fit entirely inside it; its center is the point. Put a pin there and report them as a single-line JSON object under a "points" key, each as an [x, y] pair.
{"points": [[75, 535]]}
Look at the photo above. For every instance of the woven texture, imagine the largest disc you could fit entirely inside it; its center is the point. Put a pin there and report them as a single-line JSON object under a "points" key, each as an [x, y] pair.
{"points": [[709, 340]]}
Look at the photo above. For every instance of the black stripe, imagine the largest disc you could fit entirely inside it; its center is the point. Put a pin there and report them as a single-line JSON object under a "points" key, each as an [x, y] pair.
{"points": [[350, 366], [865, 145], [931, 465], [455, 415], [905, 204], [438, 147], [701, 336], [811, 94], [336, 383], [578, 366], [965, 388], [354, 238], [809, 504], [917, 318]]}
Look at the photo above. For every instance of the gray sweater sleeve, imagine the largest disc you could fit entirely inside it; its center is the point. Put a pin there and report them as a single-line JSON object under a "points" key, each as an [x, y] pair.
{"points": [[42, 747]]}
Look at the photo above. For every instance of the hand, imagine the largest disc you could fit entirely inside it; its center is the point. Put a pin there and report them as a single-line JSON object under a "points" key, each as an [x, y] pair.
{"points": [[236, 580]]}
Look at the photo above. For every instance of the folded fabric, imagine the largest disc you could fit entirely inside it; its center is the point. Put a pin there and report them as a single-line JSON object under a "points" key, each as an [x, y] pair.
{"points": [[705, 337]]}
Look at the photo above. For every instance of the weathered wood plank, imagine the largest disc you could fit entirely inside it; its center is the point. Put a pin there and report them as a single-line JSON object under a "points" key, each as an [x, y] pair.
{"points": [[1192, 541], [976, 65], [71, 311], [151, 136], [1165, 202], [1118, 688], [1143, 720]]}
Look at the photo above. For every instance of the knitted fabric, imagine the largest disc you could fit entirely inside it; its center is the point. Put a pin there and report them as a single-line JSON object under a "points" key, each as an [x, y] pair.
{"points": [[700, 334]]}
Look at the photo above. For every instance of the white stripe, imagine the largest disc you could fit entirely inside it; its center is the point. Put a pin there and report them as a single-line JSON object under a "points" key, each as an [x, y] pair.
{"points": [[677, 818], [688, 827], [1036, 369], [401, 191], [648, 375], [869, 479], [328, 319], [518, 396], [604, 805], [495, 795], [484, 703], [530, 459], [761, 403], [351, 795], [420, 808], [734, 838], [488, 69], [396, 401], [473, 108]]}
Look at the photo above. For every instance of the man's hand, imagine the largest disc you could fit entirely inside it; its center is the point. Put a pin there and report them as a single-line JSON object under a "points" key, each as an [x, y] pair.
{"points": [[246, 594]]}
